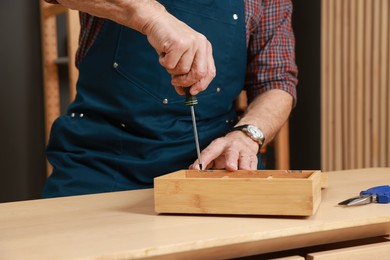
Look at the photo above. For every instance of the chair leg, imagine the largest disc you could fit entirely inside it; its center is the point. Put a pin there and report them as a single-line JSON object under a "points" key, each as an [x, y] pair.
{"points": [[282, 148]]}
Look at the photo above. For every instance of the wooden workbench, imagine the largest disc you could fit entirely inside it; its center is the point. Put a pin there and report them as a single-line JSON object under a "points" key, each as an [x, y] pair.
{"points": [[123, 225]]}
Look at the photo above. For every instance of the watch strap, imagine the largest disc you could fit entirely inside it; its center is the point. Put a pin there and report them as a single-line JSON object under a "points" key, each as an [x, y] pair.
{"points": [[243, 127]]}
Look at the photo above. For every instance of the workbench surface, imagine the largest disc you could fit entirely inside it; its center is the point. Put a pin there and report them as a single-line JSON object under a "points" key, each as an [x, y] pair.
{"points": [[123, 225]]}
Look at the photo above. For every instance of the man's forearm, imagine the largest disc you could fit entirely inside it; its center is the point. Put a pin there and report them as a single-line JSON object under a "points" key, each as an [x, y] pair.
{"points": [[268, 112], [136, 14]]}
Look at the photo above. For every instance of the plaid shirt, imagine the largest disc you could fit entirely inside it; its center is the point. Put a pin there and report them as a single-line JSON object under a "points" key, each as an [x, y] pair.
{"points": [[270, 43]]}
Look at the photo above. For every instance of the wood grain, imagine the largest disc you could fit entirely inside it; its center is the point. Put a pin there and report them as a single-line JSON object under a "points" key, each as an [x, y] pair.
{"points": [[352, 76], [375, 76], [377, 251], [73, 31], [388, 84], [360, 86], [123, 225], [240, 192], [324, 83], [344, 97], [51, 86], [384, 84], [355, 84], [331, 106], [337, 113]]}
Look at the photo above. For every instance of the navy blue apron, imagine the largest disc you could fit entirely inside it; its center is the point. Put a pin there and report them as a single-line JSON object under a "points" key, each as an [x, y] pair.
{"points": [[127, 124]]}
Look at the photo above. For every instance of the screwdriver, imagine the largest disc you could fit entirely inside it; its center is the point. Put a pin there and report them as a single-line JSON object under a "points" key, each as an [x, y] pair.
{"points": [[191, 101]]}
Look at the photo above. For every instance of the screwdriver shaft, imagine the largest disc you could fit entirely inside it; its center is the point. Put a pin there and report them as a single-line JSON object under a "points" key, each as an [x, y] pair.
{"points": [[191, 101], [196, 136]]}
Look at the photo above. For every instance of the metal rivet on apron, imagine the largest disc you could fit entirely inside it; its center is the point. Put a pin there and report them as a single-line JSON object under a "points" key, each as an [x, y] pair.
{"points": [[81, 115], [123, 125], [235, 16], [115, 65], [72, 115], [218, 90], [165, 101]]}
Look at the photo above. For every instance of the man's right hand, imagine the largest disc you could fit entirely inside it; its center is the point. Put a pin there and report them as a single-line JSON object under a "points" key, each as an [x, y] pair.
{"points": [[185, 53]]}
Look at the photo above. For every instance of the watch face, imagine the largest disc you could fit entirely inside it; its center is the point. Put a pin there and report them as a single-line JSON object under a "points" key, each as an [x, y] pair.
{"points": [[256, 133]]}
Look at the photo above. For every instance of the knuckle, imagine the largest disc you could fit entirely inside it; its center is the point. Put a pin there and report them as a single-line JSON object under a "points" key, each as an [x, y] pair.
{"points": [[180, 44], [171, 72], [210, 46], [201, 73], [217, 142], [162, 61], [183, 69], [236, 143], [202, 38], [212, 72], [169, 66]]}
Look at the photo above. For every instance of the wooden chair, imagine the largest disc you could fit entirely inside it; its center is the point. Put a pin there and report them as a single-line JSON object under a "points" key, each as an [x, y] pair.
{"points": [[50, 57]]}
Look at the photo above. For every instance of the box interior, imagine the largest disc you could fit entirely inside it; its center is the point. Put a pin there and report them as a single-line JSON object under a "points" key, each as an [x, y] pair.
{"points": [[248, 174]]}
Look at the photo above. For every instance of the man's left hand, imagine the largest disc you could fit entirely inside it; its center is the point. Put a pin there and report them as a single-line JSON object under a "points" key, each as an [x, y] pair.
{"points": [[235, 151]]}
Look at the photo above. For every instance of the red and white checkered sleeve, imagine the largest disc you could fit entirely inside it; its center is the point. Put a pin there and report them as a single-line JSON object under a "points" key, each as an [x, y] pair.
{"points": [[271, 50]]}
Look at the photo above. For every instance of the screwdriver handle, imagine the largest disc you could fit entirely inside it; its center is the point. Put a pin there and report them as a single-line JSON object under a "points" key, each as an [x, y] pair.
{"points": [[190, 99]]}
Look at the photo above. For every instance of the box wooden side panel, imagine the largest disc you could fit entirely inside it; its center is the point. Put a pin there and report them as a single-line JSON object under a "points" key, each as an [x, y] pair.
{"points": [[318, 182], [236, 196], [324, 179]]}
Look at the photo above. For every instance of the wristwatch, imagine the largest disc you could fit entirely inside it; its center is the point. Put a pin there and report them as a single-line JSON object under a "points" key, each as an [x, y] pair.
{"points": [[253, 132]]}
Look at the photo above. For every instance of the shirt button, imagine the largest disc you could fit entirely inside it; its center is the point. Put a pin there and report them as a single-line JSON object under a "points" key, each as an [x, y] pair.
{"points": [[81, 115], [218, 90], [165, 101], [123, 125], [235, 16], [115, 65], [72, 115]]}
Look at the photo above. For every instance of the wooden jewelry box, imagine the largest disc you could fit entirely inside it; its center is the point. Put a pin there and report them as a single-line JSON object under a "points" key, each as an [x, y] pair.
{"points": [[258, 192]]}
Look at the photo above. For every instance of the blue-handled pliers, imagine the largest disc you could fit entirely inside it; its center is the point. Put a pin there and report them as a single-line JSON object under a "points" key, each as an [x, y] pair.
{"points": [[379, 194]]}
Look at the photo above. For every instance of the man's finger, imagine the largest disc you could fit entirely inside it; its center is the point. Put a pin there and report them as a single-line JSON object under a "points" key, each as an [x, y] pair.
{"points": [[169, 60], [184, 64], [254, 162], [247, 162], [213, 151], [232, 157], [185, 80], [211, 70]]}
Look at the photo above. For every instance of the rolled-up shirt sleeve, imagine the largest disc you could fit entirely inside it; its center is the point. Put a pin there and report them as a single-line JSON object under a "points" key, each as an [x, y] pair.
{"points": [[271, 51]]}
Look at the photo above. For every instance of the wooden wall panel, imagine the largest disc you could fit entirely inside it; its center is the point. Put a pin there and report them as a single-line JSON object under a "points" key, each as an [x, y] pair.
{"points": [[355, 69], [388, 83]]}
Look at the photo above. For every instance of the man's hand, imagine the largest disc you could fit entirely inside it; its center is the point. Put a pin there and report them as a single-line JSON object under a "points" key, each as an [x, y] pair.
{"points": [[268, 111], [235, 151], [185, 53]]}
